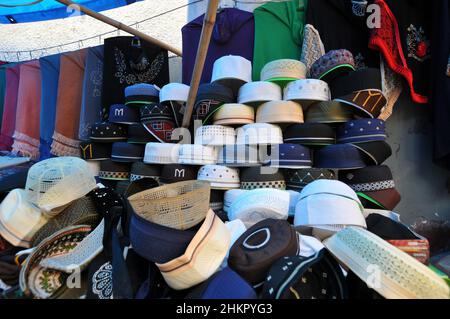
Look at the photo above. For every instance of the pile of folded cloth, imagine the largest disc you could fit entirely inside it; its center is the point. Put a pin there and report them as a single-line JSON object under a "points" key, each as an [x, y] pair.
{"points": [[280, 192]]}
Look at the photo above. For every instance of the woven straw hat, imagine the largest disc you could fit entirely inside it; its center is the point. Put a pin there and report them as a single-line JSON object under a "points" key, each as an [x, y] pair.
{"points": [[56, 182], [254, 93], [202, 258], [234, 114], [219, 177], [179, 205], [215, 135], [279, 112], [283, 70], [385, 268]]}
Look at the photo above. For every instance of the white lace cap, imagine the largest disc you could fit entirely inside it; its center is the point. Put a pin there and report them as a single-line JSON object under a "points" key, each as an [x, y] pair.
{"points": [[161, 153], [307, 90], [283, 68], [256, 205], [219, 177], [391, 272], [279, 112], [174, 92], [232, 67], [19, 219], [230, 197], [56, 182], [80, 257], [328, 210], [332, 187], [194, 154], [239, 155], [259, 133], [259, 92], [215, 135]]}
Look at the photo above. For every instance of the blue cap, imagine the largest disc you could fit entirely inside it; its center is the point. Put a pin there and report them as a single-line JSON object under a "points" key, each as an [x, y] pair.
{"points": [[361, 131], [289, 156], [122, 114], [339, 156], [141, 93]]}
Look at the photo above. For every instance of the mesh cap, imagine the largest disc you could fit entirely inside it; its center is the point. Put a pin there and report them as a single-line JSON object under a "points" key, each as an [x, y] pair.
{"points": [[55, 182]]}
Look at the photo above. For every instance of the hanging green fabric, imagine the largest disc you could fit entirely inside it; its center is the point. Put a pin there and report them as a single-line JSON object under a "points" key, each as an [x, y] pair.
{"points": [[278, 32]]}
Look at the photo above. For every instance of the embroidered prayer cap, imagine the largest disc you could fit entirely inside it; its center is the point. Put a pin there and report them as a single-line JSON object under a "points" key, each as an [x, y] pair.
{"points": [[45, 283], [259, 204], [234, 114], [161, 153], [401, 276], [310, 134], [129, 153], [105, 199], [230, 197], [252, 255], [232, 71], [339, 156], [140, 94], [19, 219], [239, 155], [261, 177], [307, 91], [370, 178], [141, 170], [333, 64], [95, 151], [219, 177], [202, 257], [361, 131], [108, 132], [366, 103], [225, 284], [255, 93], [210, 97], [279, 112], [328, 112], [318, 276], [283, 71], [159, 121], [297, 179], [111, 170], [123, 114], [174, 92], [288, 156], [259, 133], [360, 79], [194, 154], [80, 212], [179, 205], [384, 199], [172, 173], [215, 135], [330, 187], [156, 111], [55, 182], [216, 200], [375, 152], [138, 134]]}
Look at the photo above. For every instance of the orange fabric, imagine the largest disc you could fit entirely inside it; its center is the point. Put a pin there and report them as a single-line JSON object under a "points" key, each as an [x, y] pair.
{"points": [[68, 105]]}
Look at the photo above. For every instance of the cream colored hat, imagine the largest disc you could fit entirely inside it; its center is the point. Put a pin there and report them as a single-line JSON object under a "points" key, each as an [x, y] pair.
{"points": [[283, 70], [215, 135], [54, 183], [259, 133], [179, 205], [234, 114], [254, 93], [307, 91], [19, 219], [161, 153], [279, 112], [232, 67], [202, 258], [385, 268], [219, 177], [174, 92], [194, 154]]}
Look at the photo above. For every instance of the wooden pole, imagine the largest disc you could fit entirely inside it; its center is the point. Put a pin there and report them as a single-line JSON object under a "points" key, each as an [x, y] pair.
{"points": [[120, 26], [202, 50]]}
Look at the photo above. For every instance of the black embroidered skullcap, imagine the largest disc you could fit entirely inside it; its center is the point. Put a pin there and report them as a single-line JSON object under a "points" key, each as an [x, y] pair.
{"points": [[309, 134]]}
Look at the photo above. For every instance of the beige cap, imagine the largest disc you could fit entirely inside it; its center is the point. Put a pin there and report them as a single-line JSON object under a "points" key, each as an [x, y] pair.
{"points": [[283, 69], [279, 112], [234, 114]]}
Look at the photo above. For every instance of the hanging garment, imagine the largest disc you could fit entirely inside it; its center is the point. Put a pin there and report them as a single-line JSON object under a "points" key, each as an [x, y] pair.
{"points": [[92, 92], [440, 84], [278, 32], [68, 106], [403, 40], [342, 25], [233, 34], [10, 105], [26, 132], [129, 61], [49, 89], [2, 89]]}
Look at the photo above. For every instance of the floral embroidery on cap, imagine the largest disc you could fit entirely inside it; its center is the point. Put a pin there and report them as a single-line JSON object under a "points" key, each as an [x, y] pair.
{"points": [[418, 44]]}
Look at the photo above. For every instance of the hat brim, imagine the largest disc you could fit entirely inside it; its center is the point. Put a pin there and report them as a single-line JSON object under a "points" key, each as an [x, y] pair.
{"points": [[234, 122], [375, 151], [336, 71], [282, 81]]}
